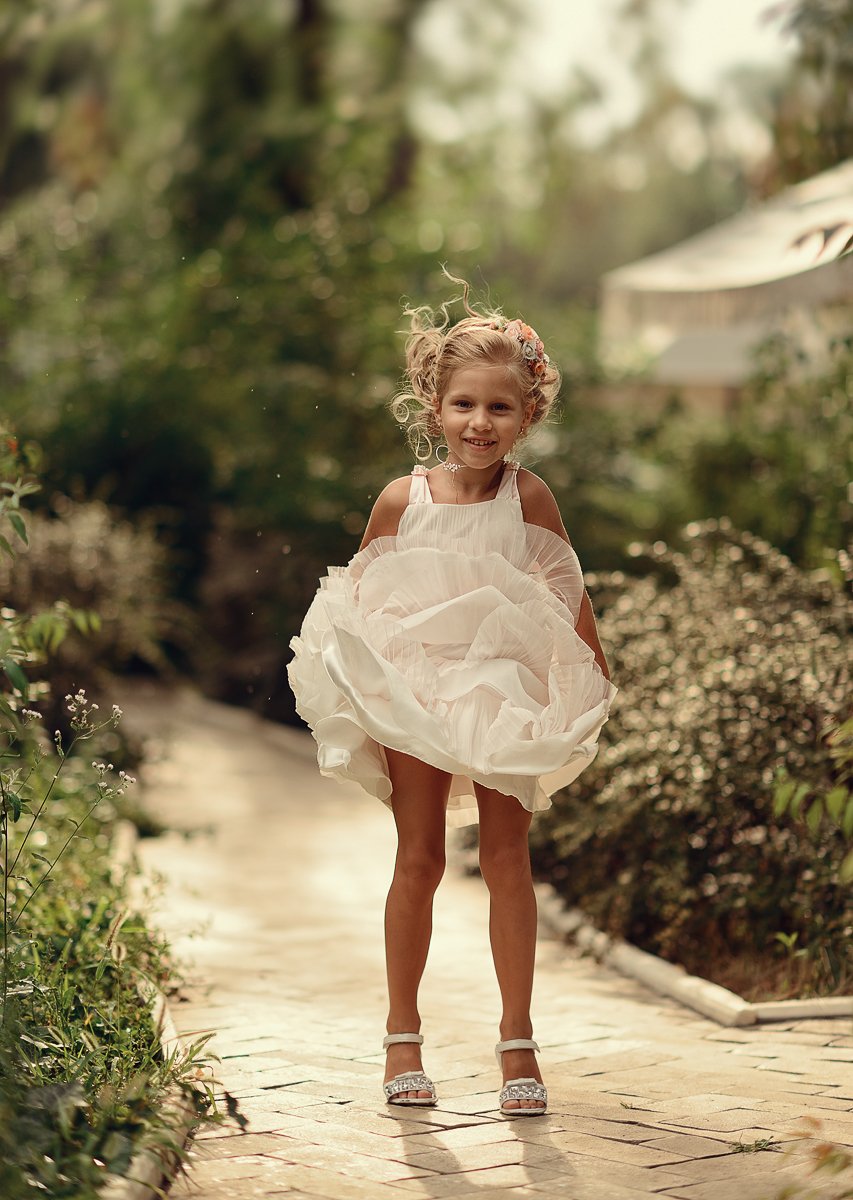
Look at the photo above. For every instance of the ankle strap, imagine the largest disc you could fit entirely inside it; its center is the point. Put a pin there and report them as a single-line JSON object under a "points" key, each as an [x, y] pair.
{"points": [[393, 1038], [515, 1044]]}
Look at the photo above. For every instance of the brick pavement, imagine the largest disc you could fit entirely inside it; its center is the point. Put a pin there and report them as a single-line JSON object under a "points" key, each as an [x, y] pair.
{"points": [[273, 896]]}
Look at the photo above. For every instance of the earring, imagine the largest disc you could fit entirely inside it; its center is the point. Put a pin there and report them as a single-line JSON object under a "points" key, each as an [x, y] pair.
{"points": [[445, 462]]}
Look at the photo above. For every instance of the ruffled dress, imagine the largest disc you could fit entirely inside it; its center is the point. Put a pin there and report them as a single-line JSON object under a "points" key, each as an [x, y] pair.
{"points": [[454, 641]]}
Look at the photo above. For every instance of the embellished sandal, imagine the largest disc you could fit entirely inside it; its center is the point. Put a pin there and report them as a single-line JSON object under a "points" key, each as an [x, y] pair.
{"points": [[521, 1089], [409, 1081]]}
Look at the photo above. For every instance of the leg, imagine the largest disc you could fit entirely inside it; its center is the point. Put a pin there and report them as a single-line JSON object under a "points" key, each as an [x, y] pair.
{"points": [[505, 867], [419, 803]]}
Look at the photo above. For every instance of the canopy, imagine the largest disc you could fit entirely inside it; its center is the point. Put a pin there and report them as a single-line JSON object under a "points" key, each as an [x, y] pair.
{"points": [[693, 312]]}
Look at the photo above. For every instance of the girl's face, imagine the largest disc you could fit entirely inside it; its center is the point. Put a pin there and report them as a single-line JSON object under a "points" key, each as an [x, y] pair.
{"points": [[482, 413]]}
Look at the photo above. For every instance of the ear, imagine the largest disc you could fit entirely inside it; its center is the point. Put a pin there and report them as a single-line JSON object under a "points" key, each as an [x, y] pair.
{"points": [[436, 407]]}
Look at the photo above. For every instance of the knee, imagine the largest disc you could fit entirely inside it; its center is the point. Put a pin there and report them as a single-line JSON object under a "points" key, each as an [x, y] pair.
{"points": [[420, 867], [505, 865]]}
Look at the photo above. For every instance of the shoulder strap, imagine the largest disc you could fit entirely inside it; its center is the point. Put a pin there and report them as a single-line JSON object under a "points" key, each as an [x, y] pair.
{"points": [[419, 492], [508, 489]]}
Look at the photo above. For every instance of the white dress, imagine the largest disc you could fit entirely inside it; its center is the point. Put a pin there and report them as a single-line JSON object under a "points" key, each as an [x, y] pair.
{"points": [[455, 642]]}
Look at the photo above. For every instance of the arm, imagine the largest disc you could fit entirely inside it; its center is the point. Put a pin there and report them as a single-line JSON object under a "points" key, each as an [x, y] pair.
{"points": [[540, 508], [384, 519]]}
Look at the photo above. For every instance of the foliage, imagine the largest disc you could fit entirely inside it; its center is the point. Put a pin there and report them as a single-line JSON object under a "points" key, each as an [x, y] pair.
{"points": [[81, 1073], [101, 564], [818, 807], [670, 839], [813, 118], [781, 461], [833, 1163]]}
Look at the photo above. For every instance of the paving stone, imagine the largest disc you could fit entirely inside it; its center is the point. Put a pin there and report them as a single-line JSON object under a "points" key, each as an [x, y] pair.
{"points": [[688, 1145], [476, 1182], [364, 1166], [476, 1157], [288, 975], [608, 1149], [733, 1120]]}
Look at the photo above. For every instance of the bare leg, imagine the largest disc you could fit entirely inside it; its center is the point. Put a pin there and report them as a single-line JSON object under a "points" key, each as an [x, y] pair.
{"points": [[419, 802], [505, 867]]}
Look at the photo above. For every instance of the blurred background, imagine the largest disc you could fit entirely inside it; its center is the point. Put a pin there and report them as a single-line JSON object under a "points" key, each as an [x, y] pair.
{"points": [[211, 211]]}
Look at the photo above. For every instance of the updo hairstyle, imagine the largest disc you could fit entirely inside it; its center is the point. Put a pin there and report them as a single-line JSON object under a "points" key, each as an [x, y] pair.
{"points": [[436, 348]]}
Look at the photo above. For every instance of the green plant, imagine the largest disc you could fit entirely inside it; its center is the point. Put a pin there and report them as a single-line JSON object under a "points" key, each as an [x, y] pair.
{"points": [[731, 662], [82, 1075], [834, 806], [829, 1160], [81, 1070]]}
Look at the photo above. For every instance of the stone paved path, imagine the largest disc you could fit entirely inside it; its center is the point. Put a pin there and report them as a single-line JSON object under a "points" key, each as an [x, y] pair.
{"points": [[274, 897]]}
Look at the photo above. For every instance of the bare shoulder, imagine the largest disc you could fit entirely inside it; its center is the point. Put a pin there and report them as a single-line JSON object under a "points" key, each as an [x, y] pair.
{"points": [[387, 510], [538, 503]]}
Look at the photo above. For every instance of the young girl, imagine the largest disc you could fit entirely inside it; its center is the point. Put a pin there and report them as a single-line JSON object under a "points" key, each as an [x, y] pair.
{"points": [[454, 670]]}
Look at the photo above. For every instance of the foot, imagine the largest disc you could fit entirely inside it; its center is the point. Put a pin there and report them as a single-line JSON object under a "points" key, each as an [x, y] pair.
{"points": [[404, 1056], [521, 1064]]}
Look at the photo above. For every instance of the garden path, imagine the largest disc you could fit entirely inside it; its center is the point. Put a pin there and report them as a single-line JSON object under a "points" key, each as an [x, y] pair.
{"points": [[273, 890]]}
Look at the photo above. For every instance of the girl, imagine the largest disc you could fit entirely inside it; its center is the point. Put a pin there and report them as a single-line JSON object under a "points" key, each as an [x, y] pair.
{"points": [[453, 668]]}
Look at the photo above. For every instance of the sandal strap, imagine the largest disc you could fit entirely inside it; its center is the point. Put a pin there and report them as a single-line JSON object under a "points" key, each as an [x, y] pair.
{"points": [[524, 1089], [515, 1044], [393, 1038], [409, 1081]]}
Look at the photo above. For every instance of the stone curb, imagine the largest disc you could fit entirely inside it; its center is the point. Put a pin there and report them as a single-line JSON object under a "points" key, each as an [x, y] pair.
{"points": [[671, 979], [151, 1168]]}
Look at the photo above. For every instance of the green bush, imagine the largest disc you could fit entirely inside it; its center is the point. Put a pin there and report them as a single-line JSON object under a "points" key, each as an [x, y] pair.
{"points": [[99, 564], [82, 1076], [733, 667]]}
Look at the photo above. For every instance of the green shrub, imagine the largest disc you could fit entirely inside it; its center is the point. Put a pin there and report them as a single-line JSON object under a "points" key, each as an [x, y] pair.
{"points": [[100, 564], [82, 1075], [732, 667]]}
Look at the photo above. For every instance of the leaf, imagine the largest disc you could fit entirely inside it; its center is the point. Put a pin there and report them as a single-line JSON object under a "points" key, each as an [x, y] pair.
{"points": [[19, 527], [834, 802], [799, 796], [846, 871], [5, 546], [16, 677], [14, 801], [815, 815], [847, 823], [783, 795]]}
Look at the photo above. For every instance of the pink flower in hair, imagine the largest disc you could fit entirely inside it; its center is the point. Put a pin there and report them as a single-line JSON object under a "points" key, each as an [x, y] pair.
{"points": [[531, 344]]}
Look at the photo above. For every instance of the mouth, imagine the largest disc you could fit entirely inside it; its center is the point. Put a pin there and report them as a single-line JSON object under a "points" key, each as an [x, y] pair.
{"points": [[479, 443]]}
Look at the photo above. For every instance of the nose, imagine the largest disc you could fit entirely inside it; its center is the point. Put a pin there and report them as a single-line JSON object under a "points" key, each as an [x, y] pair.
{"points": [[480, 419]]}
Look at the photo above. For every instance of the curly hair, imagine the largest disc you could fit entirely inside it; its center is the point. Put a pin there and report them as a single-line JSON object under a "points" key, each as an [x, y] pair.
{"points": [[436, 348]]}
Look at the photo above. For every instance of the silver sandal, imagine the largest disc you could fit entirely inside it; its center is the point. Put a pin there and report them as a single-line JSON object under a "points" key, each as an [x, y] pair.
{"points": [[521, 1089], [409, 1081]]}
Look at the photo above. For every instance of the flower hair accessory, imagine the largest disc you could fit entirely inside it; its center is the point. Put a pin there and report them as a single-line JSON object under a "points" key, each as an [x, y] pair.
{"points": [[531, 344]]}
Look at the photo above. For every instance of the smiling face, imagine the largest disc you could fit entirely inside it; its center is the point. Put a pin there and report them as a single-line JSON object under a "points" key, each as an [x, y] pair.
{"points": [[482, 413]]}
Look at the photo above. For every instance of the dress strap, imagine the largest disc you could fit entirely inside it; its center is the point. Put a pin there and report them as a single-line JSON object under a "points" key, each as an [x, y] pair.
{"points": [[508, 489], [419, 492]]}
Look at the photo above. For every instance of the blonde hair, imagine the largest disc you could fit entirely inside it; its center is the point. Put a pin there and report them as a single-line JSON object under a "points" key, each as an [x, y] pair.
{"points": [[436, 348]]}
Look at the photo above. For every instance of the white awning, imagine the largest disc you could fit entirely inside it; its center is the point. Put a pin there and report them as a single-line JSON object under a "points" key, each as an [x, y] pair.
{"points": [[716, 294]]}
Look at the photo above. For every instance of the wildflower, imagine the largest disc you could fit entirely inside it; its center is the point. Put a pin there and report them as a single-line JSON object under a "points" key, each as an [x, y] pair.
{"points": [[29, 715]]}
